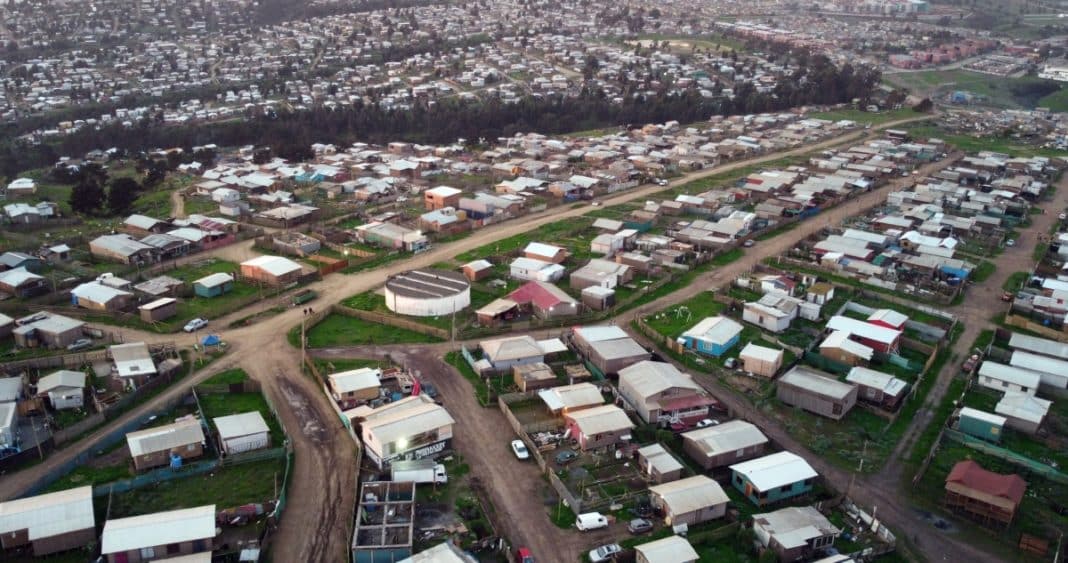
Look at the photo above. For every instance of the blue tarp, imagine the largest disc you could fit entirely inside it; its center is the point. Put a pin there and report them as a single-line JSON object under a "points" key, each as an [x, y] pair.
{"points": [[211, 340]]}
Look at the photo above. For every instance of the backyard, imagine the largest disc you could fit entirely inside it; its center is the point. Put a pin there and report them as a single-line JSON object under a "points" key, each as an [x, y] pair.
{"points": [[340, 330]]}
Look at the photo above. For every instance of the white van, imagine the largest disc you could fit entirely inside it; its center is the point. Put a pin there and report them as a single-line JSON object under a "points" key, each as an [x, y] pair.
{"points": [[591, 521]]}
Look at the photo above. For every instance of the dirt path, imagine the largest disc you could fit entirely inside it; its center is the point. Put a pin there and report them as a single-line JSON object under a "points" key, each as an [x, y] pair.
{"points": [[318, 517], [178, 204]]}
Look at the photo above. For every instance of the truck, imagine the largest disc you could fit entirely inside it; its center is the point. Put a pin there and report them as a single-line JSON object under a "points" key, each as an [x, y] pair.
{"points": [[419, 471], [303, 296]]}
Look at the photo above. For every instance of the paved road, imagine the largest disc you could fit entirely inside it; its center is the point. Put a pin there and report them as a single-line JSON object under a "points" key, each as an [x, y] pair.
{"points": [[322, 491]]}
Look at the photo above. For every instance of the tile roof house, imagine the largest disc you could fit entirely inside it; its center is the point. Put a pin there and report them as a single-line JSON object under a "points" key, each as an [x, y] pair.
{"points": [[987, 497]]}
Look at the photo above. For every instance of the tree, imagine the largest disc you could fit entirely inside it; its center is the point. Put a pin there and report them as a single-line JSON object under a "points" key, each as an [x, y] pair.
{"points": [[924, 106], [87, 197], [121, 195]]}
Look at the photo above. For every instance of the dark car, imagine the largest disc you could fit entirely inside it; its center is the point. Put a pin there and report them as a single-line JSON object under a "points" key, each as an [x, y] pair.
{"points": [[565, 457], [429, 390], [639, 526]]}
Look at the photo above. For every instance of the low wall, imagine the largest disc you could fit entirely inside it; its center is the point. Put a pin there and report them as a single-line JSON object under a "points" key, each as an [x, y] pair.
{"points": [[391, 320]]}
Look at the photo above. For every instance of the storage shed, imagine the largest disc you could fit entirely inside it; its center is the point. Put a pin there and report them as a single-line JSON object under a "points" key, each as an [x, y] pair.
{"points": [[153, 447], [65, 389], [761, 360], [658, 464], [158, 310], [723, 444], [213, 285], [984, 425], [242, 432]]}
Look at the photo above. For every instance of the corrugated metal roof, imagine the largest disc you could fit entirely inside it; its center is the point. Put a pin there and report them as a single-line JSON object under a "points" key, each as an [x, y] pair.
{"points": [[690, 494], [61, 378], [793, 526], [511, 348], [97, 292], [355, 379], [10, 389], [441, 553], [591, 334], [671, 549], [862, 329], [816, 381], [1014, 375], [214, 280], [273, 265], [49, 515], [775, 470], [1052, 371], [659, 458], [1039, 345], [648, 378], [840, 339], [602, 419], [243, 424], [761, 353], [877, 380], [727, 437], [571, 396], [620, 348], [132, 359], [160, 528], [717, 330], [977, 414], [1024, 407], [165, 438], [416, 419]]}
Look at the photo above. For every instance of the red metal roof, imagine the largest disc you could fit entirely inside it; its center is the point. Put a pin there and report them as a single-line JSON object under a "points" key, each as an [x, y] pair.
{"points": [[972, 475], [534, 292]]}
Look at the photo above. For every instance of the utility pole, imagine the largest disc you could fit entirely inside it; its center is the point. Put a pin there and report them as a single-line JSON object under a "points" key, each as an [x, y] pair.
{"points": [[303, 343]]}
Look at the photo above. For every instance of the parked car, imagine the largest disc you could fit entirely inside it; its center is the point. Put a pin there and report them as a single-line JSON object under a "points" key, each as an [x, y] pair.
{"points": [[605, 552], [523, 555], [1010, 242], [195, 324], [80, 344], [591, 521], [748, 243], [565, 457], [706, 422], [520, 449], [639, 526]]}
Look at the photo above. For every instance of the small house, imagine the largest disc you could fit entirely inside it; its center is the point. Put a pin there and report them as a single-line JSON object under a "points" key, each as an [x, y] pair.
{"points": [[544, 300], [47, 330], [355, 386], [1023, 412], [1001, 377], [689, 501], [599, 427], [531, 377], [877, 387], [213, 285], [503, 353], [989, 498], [159, 535], [570, 398], [658, 465], [816, 392], [820, 293], [672, 549], [598, 298], [529, 269], [49, 523], [982, 425], [22, 283], [874, 336], [794, 533], [662, 394], [720, 445], [545, 252], [96, 296], [713, 336], [158, 310], [65, 389], [844, 350], [155, 447], [242, 432], [608, 348], [761, 360], [132, 363], [773, 478], [441, 197], [478, 270], [271, 270]]}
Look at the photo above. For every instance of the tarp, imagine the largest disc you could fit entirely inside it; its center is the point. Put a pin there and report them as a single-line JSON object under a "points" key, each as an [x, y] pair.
{"points": [[211, 340]]}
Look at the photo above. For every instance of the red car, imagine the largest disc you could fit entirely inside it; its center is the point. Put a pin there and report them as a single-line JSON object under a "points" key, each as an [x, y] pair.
{"points": [[524, 556]]}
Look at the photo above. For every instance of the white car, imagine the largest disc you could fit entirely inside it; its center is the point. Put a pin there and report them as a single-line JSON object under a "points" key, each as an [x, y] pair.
{"points": [[706, 422], [195, 324], [520, 449], [605, 552]]}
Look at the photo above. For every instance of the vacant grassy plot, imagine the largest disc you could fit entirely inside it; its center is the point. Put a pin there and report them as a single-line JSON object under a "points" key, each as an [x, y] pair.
{"points": [[1056, 102], [214, 405], [983, 271], [677, 319], [228, 487], [549, 233], [228, 377], [345, 364], [1000, 91], [970, 144], [867, 117], [339, 330], [376, 302], [85, 475], [860, 435]]}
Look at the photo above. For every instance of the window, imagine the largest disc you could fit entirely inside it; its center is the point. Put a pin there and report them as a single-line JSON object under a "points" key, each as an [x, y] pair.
{"points": [[807, 482], [762, 495], [836, 409], [739, 452], [173, 548], [148, 553], [785, 488], [190, 447], [1004, 383], [738, 478]]}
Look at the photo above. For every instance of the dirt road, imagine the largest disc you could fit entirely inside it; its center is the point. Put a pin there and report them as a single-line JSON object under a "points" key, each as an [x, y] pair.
{"points": [[317, 520]]}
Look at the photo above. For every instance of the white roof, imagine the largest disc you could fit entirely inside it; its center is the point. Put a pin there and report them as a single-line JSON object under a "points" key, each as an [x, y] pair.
{"points": [[571, 396], [97, 292], [7, 415], [692, 493], [274, 265], [49, 515], [816, 381], [524, 263], [444, 191], [161, 302], [511, 348], [416, 417], [552, 346], [601, 333], [132, 359], [18, 276], [983, 416], [442, 553], [671, 549], [876, 379], [863, 329], [1022, 406], [730, 436], [1052, 371], [1013, 375], [775, 470], [164, 438], [761, 353], [542, 249], [793, 526], [61, 378], [216, 279], [648, 378], [142, 221], [889, 316], [10, 388], [355, 379], [1039, 346], [478, 265], [160, 528], [717, 330], [243, 424], [840, 339], [602, 419], [659, 458]]}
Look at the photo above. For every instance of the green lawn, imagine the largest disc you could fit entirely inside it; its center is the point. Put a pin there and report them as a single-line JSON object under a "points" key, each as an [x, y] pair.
{"points": [[549, 233], [972, 144], [983, 271], [675, 320], [229, 487], [345, 364], [1015, 281], [1056, 102], [339, 330], [999, 91], [228, 377], [867, 117], [376, 302], [85, 475]]}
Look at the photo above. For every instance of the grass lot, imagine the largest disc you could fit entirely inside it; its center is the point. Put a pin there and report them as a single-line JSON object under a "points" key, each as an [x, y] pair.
{"points": [[677, 319], [85, 475], [1015, 281], [549, 233], [860, 435], [336, 365], [228, 487], [215, 405], [339, 330], [376, 302], [983, 271], [866, 117], [999, 91], [1056, 102], [228, 377], [456, 360], [973, 144]]}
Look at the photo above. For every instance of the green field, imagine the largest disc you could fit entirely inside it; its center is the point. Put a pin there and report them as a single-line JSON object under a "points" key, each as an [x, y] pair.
{"points": [[339, 330], [972, 144], [867, 117], [549, 233], [1000, 91]]}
